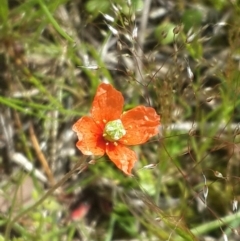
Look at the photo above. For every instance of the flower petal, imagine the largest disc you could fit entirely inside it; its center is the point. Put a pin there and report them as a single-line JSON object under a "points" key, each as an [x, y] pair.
{"points": [[107, 104], [90, 140], [140, 123], [121, 156]]}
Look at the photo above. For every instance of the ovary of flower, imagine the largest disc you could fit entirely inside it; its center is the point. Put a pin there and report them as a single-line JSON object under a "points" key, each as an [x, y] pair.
{"points": [[114, 130]]}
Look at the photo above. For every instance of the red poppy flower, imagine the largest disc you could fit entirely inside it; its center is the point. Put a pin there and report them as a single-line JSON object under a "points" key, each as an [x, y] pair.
{"points": [[108, 130]]}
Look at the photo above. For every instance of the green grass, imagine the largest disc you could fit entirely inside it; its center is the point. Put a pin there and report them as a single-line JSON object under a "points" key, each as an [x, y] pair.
{"points": [[53, 56]]}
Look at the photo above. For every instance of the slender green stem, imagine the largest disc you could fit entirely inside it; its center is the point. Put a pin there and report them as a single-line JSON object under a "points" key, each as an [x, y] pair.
{"points": [[53, 21], [78, 167], [206, 227]]}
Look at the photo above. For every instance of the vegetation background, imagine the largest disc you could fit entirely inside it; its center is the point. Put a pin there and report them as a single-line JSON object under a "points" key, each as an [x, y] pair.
{"points": [[180, 57]]}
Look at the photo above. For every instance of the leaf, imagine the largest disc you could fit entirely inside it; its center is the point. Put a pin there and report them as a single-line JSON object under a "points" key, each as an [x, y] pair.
{"points": [[95, 6], [195, 49], [4, 10], [165, 33], [191, 18]]}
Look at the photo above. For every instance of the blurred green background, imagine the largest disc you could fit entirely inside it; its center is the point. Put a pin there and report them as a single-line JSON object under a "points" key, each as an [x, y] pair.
{"points": [[180, 57]]}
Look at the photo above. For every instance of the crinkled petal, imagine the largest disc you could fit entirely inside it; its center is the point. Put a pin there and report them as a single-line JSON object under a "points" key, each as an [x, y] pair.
{"points": [[90, 140], [107, 104], [122, 157], [140, 123]]}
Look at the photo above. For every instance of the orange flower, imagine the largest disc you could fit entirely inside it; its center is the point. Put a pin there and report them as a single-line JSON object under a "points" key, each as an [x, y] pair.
{"points": [[109, 131]]}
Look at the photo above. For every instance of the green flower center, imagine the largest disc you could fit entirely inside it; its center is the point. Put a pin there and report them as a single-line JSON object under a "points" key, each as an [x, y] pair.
{"points": [[114, 130]]}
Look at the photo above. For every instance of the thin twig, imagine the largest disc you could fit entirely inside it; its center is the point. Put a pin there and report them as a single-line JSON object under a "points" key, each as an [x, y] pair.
{"points": [[187, 126], [141, 38], [41, 156]]}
